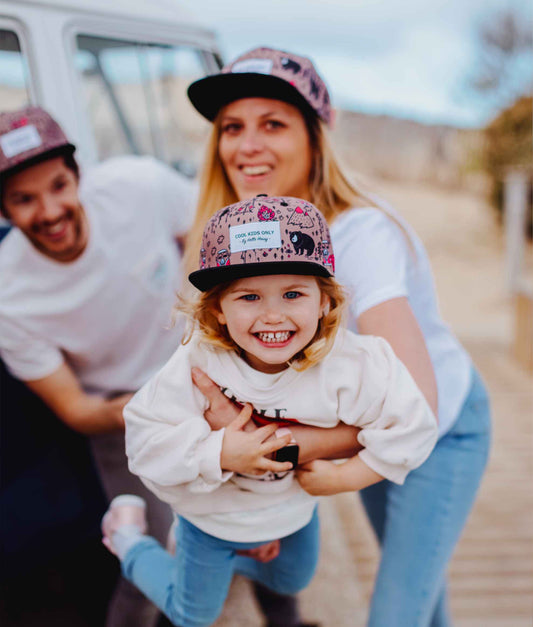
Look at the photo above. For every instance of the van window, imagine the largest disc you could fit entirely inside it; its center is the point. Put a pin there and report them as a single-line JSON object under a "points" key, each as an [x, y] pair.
{"points": [[136, 98], [14, 74]]}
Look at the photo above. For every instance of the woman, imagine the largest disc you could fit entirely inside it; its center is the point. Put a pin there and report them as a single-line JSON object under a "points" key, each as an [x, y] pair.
{"points": [[270, 110]]}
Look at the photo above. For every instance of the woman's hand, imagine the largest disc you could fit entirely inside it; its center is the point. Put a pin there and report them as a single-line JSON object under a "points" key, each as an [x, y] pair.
{"points": [[245, 452], [221, 410], [322, 478], [319, 477]]}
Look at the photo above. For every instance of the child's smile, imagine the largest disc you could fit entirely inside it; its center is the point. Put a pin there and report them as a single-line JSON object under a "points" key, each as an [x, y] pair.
{"points": [[272, 318]]}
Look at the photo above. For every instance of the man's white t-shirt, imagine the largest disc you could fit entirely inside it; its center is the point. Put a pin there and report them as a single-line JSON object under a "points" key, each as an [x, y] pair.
{"points": [[107, 313], [377, 261]]}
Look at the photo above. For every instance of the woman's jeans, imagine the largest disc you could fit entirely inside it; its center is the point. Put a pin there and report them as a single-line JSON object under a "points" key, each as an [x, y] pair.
{"points": [[191, 587], [419, 523]]}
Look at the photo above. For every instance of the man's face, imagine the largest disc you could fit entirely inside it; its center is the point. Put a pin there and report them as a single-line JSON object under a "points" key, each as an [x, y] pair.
{"points": [[42, 201]]}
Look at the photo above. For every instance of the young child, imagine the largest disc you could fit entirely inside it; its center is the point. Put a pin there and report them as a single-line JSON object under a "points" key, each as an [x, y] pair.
{"points": [[267, 331]]}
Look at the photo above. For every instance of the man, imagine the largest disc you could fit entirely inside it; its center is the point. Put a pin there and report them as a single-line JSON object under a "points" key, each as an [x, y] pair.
{"points": [[87, 281]]}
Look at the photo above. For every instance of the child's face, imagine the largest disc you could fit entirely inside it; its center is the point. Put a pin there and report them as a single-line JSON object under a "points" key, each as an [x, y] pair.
{"points": [[272, 318]]}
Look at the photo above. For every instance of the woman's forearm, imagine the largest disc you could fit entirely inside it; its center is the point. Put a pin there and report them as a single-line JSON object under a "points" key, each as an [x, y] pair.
{"points": [[318, 443]]}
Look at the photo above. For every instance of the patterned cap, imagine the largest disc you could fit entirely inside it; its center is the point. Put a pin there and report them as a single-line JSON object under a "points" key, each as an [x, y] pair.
{"points": [[28, 136], [263, 73], [264, 235]]}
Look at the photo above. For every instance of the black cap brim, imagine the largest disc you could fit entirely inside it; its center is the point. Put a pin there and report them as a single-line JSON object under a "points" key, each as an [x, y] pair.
{"points": [[208, 95], [65, 149], [210, 277]]}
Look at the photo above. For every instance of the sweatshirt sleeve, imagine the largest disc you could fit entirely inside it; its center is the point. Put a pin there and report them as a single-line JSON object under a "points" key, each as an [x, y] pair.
{"points": [[168, 441], [398, 428]]}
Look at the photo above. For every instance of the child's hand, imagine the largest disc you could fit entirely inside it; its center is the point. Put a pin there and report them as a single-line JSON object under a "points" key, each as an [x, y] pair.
{"points": [[264, 553], [319, 477], [246, 452]]}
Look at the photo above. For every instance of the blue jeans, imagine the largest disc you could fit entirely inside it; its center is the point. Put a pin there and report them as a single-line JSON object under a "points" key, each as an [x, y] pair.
{"points": [[191, 587], [419, 523]]}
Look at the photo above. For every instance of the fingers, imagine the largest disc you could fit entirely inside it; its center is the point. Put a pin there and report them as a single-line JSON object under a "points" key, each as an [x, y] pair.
{"points": [[274, 445], [307, 467], [203, 382], [266, 465], [263, 433], [244, 416], [209, 388]]}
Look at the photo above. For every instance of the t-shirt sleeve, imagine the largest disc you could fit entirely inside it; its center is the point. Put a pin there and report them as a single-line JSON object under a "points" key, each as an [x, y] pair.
{"points": [[371, 256], [175, 197], [27, 357]]}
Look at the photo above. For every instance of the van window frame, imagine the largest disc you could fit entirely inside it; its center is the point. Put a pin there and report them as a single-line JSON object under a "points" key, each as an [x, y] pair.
{"points": [[146, 33], [19, 28]]}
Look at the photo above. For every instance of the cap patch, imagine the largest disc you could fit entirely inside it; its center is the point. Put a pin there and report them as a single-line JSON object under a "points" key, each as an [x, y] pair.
{"points": [[254, 235], [253, 66], [20, 140]]}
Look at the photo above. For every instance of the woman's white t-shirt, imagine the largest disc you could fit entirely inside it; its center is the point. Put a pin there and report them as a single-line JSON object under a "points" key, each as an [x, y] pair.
{"points": [[377, 260]]}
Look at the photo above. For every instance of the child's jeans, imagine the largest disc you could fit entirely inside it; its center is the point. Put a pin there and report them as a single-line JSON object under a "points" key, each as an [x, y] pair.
{"points": [[191, 587]]}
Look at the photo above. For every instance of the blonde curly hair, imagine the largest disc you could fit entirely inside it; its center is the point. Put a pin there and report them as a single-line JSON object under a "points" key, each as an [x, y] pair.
{"points": [[202, 311]]}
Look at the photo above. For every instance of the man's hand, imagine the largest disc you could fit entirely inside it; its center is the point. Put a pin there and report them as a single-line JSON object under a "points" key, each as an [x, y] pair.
{"points": [[264, 553], [115, 408], [221, 410], [246, 453], [86, 413]]}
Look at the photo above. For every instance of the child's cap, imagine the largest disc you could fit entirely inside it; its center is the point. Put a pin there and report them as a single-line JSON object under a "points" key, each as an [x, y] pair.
{"points": [[264, 235], [263, 73]]}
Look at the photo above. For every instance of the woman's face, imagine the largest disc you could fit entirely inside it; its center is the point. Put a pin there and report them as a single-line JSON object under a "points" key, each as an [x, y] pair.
{"points": [[265, 148]]}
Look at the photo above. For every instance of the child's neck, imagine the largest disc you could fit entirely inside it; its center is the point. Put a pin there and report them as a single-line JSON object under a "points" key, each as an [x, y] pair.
{"points": [[261, 366]]}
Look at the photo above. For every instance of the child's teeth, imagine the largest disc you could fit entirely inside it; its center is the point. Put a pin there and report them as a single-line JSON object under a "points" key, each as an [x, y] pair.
{"points": [[278, 336]]}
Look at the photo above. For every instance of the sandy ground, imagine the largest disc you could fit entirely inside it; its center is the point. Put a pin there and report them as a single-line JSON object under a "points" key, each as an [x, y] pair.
{"points": [[492, 572]]}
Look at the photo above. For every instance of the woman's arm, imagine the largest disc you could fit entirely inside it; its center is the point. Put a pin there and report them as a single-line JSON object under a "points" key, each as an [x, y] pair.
{"points": [[395, 321], [314, 442]]}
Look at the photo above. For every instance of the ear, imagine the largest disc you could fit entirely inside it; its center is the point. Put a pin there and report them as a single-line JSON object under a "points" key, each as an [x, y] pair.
{"points": [[325, 304], [217, 312]]}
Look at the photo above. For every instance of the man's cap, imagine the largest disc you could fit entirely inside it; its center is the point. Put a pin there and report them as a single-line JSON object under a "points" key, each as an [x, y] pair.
{"points": [[263, 73], [28, 136], [261, 236]]}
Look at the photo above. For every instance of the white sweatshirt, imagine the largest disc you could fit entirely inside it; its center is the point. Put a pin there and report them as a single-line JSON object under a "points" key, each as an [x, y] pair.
{"points": [[173, 450]]}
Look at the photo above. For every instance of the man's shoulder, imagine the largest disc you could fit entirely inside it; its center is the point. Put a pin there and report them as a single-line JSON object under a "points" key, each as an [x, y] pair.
{"points": [[126, 169]]}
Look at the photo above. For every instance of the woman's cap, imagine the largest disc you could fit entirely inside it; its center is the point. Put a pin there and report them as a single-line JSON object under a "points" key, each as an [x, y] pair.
{"points": [[263, 73], [261, 236], [28, 136]]}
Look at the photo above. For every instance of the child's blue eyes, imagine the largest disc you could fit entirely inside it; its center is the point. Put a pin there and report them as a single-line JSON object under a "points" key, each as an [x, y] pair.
{"points": [[288, 295]]}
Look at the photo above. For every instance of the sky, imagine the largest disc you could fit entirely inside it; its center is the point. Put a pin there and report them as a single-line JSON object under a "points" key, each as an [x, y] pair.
{"points": [[408, 58]]}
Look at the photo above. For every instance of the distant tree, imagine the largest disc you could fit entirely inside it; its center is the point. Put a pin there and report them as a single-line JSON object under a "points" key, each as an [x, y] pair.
{"points": [[502, 78], [503, 69], [509, 144]]}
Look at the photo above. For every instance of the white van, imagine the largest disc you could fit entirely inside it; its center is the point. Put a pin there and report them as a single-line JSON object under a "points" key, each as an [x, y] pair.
{"points": [[113, 72]]}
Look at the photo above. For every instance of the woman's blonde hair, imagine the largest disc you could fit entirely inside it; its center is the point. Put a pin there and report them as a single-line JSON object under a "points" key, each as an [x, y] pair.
{"points": [[202, 314]]}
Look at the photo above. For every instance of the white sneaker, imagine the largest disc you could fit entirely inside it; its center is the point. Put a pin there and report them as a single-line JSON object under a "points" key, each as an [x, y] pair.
{"points": [[124, 523]]}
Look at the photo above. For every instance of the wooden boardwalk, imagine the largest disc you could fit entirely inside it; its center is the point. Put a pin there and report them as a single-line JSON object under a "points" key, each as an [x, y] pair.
{"points": [[491, 574]]}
